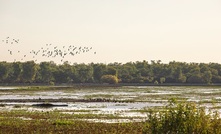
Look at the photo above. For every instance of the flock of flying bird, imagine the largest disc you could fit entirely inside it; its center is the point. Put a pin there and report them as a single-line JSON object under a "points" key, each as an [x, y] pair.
{"points": [[48, 50], [7, 40]]}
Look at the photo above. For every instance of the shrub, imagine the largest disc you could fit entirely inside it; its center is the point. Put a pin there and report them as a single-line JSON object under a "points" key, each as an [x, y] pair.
{"points": [[156, 82], [51, 83], [182, 118], [162, 80], [111, 79]]}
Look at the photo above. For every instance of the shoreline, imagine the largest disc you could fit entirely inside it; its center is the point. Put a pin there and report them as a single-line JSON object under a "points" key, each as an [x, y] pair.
{"points": [[106, 84]]}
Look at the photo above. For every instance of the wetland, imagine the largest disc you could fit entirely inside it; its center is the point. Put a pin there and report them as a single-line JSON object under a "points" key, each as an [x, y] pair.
{"points": [[61, 107]]}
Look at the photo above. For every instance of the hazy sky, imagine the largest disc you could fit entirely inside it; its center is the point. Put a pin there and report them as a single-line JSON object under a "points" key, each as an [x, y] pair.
{"points": [[118, 30]]}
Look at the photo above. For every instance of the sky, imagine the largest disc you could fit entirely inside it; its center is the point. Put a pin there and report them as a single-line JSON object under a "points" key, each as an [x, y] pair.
{"points": [[116, 30]]}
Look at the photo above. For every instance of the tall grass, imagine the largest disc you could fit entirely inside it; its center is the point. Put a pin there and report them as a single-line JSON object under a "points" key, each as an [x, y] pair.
{"points": [[183, 118]]}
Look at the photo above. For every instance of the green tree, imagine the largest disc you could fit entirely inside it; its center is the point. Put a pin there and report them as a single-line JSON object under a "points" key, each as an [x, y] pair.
{"points": [[29, 70], [84, 73], [111, 71], [69, 71], [64, 73], [59, 76], [195, 78], [4, 71], [45, 71], [98, 71], [127, 72], [207, 77], [195, 75], [17, 71]]}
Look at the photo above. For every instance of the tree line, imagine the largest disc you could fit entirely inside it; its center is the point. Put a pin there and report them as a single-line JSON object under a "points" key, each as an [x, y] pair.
{"points": [[130, 72]]}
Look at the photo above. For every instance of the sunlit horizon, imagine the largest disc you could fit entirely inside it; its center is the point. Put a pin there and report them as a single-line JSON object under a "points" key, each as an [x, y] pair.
{"points": [[118, 31]]}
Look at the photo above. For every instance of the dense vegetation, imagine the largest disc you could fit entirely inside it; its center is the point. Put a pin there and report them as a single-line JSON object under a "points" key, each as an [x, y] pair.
{"points": [[183, 118], [131, 72]]}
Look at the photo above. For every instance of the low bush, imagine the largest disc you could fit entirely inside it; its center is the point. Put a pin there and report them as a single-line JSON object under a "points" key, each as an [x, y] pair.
{"points": [[111, 79], [183, 118]]}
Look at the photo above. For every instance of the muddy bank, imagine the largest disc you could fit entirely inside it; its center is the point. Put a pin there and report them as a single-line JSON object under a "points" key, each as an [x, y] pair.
{"points": [[107, 85]]}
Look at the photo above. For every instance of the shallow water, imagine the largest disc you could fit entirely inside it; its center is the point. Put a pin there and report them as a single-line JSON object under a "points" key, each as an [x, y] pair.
{"points": [[143, 97], [7, 88]]}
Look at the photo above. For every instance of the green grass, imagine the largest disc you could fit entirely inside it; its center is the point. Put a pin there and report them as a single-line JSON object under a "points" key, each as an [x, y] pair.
{"points": [[53, 122], [63, 122]]}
